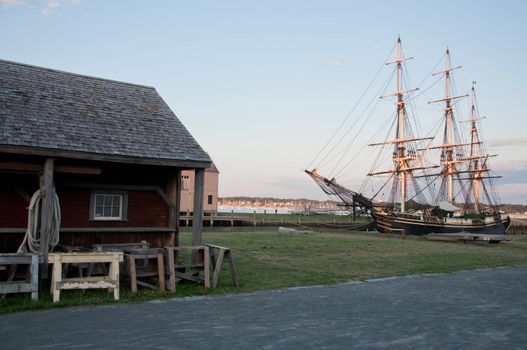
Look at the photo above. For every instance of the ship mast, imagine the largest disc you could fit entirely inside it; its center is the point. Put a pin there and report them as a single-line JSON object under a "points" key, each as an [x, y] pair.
{"points": [[402, 157], [399, 155], [474, 151], [478, 168], [447, 148]]}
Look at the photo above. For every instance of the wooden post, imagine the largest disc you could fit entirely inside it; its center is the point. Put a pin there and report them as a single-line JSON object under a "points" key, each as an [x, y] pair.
{"points": [[171, 285], [197, 219], [254, 218], [161, 271], [232, 218], [46, 218], [132, 271], [174, 195]]}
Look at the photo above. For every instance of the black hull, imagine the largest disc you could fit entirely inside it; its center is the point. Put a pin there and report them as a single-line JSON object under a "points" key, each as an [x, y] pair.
{"points": [[393, 223]]}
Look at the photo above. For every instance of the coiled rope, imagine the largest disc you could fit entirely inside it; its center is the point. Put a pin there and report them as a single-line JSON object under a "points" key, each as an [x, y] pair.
{"points": [[33, 234]]}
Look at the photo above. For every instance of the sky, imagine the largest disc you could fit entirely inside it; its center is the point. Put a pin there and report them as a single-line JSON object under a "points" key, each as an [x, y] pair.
{"points": [[262, 85]]}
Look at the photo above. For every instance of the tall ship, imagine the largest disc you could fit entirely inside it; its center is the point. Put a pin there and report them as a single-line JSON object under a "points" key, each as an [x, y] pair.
{"points": [[436, 183]]}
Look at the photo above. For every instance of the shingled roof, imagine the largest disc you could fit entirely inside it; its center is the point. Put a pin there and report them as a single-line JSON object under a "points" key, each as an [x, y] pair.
{"points": [[54, 113]]}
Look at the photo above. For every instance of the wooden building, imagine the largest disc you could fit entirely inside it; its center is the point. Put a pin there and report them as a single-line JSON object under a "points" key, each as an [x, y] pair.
{"points": [[210, 193], [113, 152]]}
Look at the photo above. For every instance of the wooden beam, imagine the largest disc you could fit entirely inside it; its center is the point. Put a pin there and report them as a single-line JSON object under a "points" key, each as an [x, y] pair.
{"points": [[78, 169], [186, 164], [46, 216], [35, 168], [197, 218], [93, 230], [173, 195]]}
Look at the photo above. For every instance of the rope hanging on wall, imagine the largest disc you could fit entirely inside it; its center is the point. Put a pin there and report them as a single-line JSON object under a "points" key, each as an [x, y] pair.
{"points": [[32, 237]]}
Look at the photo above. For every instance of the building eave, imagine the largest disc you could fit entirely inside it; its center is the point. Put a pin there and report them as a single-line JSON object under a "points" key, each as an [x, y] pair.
{"points": [[114, 158]]}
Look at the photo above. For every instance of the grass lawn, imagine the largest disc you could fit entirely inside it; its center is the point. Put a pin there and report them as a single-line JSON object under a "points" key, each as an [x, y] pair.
{"points": [[266, 259]]}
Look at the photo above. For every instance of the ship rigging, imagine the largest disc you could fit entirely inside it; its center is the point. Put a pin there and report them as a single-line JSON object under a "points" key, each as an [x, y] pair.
{"points": [[464, 199]]}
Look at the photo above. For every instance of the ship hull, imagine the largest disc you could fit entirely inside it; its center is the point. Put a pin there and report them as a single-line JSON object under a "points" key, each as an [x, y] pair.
{"points": [[397, 223]]}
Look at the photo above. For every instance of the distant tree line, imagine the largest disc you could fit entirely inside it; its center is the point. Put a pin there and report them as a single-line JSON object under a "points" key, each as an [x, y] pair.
{"points": [[276, 202], [304, 202]]}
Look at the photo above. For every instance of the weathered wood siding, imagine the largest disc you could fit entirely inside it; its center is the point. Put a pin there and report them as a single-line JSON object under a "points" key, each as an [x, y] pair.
{"points": [[13, 209], [145, 209]]}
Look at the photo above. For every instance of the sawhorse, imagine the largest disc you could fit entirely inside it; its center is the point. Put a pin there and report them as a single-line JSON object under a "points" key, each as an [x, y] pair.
{"points": [[217, 255], [110, 282]]}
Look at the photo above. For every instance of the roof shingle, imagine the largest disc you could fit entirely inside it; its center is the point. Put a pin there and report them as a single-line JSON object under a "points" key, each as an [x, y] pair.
{"points": [[49, 109]]}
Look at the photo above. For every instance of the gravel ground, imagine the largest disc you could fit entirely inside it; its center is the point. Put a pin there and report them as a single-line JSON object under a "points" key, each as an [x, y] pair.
{"points": [[480, 309]]}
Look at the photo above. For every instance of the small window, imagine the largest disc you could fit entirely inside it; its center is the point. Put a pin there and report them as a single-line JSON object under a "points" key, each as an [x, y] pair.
{"points": [[209, 199], [108, 206], [185, 183]]}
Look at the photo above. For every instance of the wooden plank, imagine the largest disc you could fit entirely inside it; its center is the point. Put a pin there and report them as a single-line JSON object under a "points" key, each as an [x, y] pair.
{"points": [[206, 267], [83, 284], [232, 267], [15, 259], [217, 267], [84, 257], [56, 277], [36, 168], [34, 276], [15, 287], [114, 275], [119, 247]]}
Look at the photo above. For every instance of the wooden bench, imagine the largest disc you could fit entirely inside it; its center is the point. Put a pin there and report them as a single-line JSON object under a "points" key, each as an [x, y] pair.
{"points": [[110, 281], [145, 268], [190, 267], [30, 284], [217, 255]]}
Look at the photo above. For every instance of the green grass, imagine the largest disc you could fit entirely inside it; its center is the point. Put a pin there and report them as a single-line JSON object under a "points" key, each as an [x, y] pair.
{"points": [[267, 259]]}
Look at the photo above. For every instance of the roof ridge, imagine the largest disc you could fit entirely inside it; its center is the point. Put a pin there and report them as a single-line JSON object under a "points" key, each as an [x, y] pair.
{"points": [[74, 74]]}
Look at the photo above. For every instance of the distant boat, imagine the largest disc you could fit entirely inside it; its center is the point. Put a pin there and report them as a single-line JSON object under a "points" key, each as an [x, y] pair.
{"points": [[465, 198]]}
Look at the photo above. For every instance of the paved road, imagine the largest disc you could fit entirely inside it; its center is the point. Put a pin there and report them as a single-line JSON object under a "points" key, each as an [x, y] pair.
{"points": [[483, 309]]}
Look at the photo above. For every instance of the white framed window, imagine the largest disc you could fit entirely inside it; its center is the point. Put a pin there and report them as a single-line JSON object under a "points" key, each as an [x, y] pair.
{"points": [[108, 205]]}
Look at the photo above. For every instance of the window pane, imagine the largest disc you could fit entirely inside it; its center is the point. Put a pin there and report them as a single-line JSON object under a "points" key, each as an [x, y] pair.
{"points": [[116, 201], [107, 211], [108, 206]]}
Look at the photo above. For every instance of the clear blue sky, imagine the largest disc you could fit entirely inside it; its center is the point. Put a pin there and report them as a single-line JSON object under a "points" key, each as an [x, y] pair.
{"points": [[262, 84]]}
